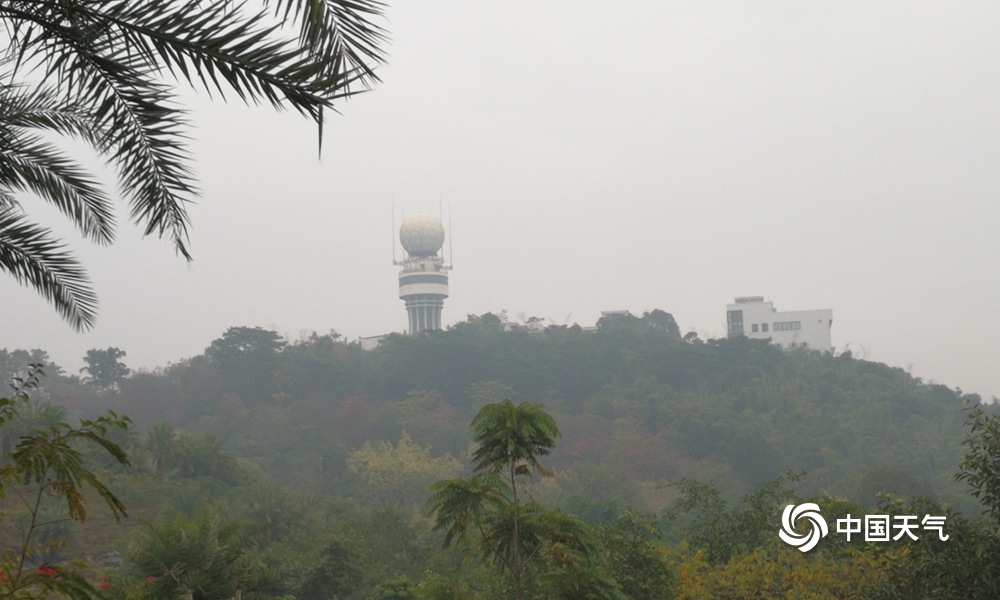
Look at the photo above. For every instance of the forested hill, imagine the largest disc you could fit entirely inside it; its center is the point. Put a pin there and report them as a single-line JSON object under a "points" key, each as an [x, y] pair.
{"points": [[637, 404]]}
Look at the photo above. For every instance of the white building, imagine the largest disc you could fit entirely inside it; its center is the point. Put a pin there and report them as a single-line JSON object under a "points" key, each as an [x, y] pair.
{"points": [[752, 317]]}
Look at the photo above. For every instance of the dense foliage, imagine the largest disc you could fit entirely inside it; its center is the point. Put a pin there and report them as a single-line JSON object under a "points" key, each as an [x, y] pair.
{"points": [[619, 461], [637, 406]]}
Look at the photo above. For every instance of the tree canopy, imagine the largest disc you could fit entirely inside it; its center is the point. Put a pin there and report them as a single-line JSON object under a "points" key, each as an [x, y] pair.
{"points": [[548, 552], [104, 368], [692, 436]]}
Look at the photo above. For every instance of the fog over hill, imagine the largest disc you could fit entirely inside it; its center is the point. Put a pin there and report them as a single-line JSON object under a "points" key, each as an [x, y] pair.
{"points": [[663, 154]]}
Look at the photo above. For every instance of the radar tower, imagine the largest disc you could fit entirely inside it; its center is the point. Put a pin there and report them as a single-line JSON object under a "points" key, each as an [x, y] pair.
{"points": [[423, 279]]}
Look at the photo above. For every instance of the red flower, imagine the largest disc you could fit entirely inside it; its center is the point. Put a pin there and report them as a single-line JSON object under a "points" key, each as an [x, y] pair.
{"points": [[150, 579], [44, 570]]}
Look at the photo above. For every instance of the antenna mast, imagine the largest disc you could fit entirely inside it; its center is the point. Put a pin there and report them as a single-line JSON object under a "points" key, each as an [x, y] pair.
{"points": [[392, 232]]}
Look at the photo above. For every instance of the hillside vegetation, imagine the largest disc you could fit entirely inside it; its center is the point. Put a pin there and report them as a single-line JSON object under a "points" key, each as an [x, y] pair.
{"points": [[334, 449]]}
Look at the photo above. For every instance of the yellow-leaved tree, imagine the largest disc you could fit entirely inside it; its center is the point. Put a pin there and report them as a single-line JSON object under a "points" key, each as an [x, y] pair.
{"points": [[400, 473]]}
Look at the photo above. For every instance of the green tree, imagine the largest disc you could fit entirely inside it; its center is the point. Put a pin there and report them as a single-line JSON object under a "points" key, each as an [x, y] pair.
{"points": [[335, 574], [437, 587], [105, 369], [489, 510], [723, 533], [184, 455], [428, 419], [964, 566], [247, 357], [17, 363], [104, 63], [890, 480], [980, 467], [661, 321], [487, 322], [397, 588], [241, 345], [510, 439], [635, 555], [209, 556], [573, 566], [32, 416], [161, 444], [46, 464]]}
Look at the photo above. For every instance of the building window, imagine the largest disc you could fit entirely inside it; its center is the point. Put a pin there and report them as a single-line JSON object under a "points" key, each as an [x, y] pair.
{"points": [[753, 328], [764, 327], [734, 320], [788, 326]]}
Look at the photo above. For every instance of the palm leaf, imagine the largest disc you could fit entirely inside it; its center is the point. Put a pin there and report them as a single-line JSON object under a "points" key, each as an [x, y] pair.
{"points": [[28, 163], [109, 59], [512, 437], [30, 255]]}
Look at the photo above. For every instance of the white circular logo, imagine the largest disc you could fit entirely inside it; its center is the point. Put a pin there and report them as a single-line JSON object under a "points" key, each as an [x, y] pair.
{"points": [[817, 526]]}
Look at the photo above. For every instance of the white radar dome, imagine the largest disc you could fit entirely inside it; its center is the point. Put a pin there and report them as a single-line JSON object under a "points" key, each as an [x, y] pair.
{"points": [[421, 234]]}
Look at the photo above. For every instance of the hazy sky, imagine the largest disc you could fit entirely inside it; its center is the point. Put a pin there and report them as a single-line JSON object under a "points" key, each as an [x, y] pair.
{"points": [[600, 156]]}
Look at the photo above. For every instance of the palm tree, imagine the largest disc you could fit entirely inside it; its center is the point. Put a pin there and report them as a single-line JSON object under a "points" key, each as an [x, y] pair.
{"points": [[161, 442], [106, 61], [462, 506], [510, 439], [209, 556]]}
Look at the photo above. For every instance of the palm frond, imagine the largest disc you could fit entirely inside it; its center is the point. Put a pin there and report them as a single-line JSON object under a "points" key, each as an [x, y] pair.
{"points": [[42, 108], [32, 256], [32, 165], [145, 135], [459, 504], [339, 28], [110, 55], [108, 61], [512, 436], [29, 163]]}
